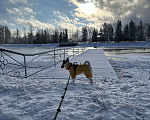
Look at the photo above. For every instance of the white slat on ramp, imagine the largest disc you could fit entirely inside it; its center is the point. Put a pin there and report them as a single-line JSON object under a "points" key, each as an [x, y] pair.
{"points": [[99, 62]]}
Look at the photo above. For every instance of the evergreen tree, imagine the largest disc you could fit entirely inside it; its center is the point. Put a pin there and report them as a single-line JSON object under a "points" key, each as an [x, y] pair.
{"points": [[25, 36], [38, 38], [7, 35], [94, 36], [118, 33], [84, 34], [17, 41], [66, 35], [126, 33], [56, 37], [132, 31], [63, 36], [140, 32], [110, 32], [76, 35], [90, 34], [30, 35], [44, 36], [148, 32], [2, 34], [105, 32], [60, 37], [101, 35]]}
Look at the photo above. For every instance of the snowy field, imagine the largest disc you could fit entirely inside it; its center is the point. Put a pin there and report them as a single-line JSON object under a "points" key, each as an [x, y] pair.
{"points": [[125, 98]]}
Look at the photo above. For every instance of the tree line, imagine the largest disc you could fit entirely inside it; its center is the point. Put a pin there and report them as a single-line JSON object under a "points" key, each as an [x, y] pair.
{"points": [[41, 36], [115, 32]]}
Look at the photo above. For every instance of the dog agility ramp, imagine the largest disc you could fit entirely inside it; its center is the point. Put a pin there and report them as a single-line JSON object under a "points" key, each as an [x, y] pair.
{"points": [[99, 62]]}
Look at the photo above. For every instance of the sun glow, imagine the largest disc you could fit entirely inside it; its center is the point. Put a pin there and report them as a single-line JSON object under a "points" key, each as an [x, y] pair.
{"points": [[88, 8]]}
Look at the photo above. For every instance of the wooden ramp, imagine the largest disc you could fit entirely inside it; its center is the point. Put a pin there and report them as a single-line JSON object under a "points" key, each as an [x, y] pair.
{"points": [[99, 62]]}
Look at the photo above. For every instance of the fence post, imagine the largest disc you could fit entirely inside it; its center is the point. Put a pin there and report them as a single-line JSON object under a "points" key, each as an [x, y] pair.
{"points": [[54, 58], [73, 52], [25, 66], [64, 53]]}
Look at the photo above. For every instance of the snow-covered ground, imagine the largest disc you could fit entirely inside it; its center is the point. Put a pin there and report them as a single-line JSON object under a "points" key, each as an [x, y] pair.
{"points": [[125, 98], [134, 44]]}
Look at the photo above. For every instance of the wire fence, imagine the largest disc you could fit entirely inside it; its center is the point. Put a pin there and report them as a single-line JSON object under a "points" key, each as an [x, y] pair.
{"points": [[25, 65]]}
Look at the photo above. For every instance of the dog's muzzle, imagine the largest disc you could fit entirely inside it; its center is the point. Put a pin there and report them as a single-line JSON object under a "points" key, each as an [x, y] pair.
{"points": [[62, 66]]}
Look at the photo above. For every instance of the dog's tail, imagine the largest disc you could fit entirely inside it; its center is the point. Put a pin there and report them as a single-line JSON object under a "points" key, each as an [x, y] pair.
{"points": [[87, 62]]}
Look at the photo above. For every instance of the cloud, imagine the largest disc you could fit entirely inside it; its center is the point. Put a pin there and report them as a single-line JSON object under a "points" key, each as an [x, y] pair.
{"points": [[18, 1], [21, 11], [4, 22], [34, 23], [65, 22], [94, 18], [25, 16], [112, 10], [69, 26], [11, 24], [62, 16]]}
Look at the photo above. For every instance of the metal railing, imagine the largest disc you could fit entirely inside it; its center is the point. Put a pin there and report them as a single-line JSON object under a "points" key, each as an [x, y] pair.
{"points": [[25, 65]]}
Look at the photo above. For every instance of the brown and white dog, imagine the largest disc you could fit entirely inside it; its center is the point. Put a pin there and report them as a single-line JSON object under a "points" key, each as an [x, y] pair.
{"points": [[75, 69]]}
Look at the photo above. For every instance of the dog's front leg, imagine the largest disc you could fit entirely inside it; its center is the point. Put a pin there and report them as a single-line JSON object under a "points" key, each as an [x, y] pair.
{"points": [[91, 81], [74, 80], [73, 77]]}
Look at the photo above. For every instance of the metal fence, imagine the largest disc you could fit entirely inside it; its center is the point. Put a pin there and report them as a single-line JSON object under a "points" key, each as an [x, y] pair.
{"points": [[25, 65]]}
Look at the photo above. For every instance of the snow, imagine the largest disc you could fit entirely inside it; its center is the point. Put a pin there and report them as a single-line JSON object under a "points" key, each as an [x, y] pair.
{"points": [[128, 44], [123, 98], [134, 44]]}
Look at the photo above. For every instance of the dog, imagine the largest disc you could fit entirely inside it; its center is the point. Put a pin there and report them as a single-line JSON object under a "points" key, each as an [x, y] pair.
{"points": [[76, 69]]}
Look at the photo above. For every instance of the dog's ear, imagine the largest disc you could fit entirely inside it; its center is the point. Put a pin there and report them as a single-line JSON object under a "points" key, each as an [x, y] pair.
{"points": [[68, 59]]}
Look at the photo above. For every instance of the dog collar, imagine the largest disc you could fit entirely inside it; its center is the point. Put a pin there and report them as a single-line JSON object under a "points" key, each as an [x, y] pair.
{"points": [[68, 66]]}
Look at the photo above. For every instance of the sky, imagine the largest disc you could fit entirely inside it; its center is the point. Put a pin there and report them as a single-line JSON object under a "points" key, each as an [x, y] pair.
{"points": [[71, 14]]}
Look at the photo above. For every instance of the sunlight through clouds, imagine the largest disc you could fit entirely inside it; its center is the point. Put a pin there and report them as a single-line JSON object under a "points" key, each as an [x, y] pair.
{"points": [[88, 8], [100, 11]]}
